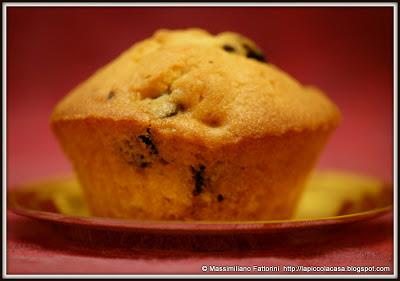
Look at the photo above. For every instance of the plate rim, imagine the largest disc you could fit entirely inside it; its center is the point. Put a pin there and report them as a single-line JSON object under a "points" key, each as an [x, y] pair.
{"points": [[195, 226], [191, 226]]}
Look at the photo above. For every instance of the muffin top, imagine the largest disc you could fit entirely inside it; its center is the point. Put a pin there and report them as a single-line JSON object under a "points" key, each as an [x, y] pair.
{"points": [[189, 82]]}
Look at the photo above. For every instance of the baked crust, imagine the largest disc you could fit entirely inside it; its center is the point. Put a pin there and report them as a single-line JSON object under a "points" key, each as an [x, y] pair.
{"points": [[186, 82], [190, 126]]}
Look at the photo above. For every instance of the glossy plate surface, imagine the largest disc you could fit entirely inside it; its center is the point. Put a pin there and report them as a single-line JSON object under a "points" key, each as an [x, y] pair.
{"points": [[330, 198]]}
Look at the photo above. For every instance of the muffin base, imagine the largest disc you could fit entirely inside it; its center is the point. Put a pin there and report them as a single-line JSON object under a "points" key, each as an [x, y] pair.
{"points": [[128, 170]]}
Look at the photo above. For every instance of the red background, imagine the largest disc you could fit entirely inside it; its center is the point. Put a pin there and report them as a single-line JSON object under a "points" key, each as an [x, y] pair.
{"points": [[345, 51], [348, 52]]}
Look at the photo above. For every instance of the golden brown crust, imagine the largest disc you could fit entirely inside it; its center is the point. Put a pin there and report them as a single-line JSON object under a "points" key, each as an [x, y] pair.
{"points": [[190, 126], [178, 179], [185, 81]]}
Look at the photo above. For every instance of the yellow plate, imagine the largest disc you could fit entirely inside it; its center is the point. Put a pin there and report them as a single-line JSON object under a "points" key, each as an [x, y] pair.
{"points": [[330, 197]]}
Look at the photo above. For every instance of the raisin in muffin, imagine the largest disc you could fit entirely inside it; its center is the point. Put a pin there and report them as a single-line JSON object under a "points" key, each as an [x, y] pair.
{"points": [[190, 126]]}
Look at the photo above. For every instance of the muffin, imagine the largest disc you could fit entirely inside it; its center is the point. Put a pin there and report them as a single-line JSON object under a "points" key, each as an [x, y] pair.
{"points": [[190, 126]]}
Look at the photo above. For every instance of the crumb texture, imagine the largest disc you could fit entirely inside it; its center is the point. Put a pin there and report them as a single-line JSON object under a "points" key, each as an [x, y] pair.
{"points": [[217, 87]]}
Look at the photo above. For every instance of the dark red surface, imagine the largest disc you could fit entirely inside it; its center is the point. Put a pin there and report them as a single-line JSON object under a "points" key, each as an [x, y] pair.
{"points": [[345, 51], [56, 249]]}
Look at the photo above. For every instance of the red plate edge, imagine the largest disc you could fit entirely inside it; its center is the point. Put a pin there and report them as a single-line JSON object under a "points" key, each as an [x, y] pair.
{"points": [[195, 227]]}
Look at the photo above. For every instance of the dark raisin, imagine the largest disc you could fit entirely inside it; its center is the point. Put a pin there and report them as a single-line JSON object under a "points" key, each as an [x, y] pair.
{"points": [[220, 198], [198, 177], [141, 161], [145, 165], [147, 140], [111, 94], [163, 161], [129, 151], [254, 54], [257, 56], [229, 48]]}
